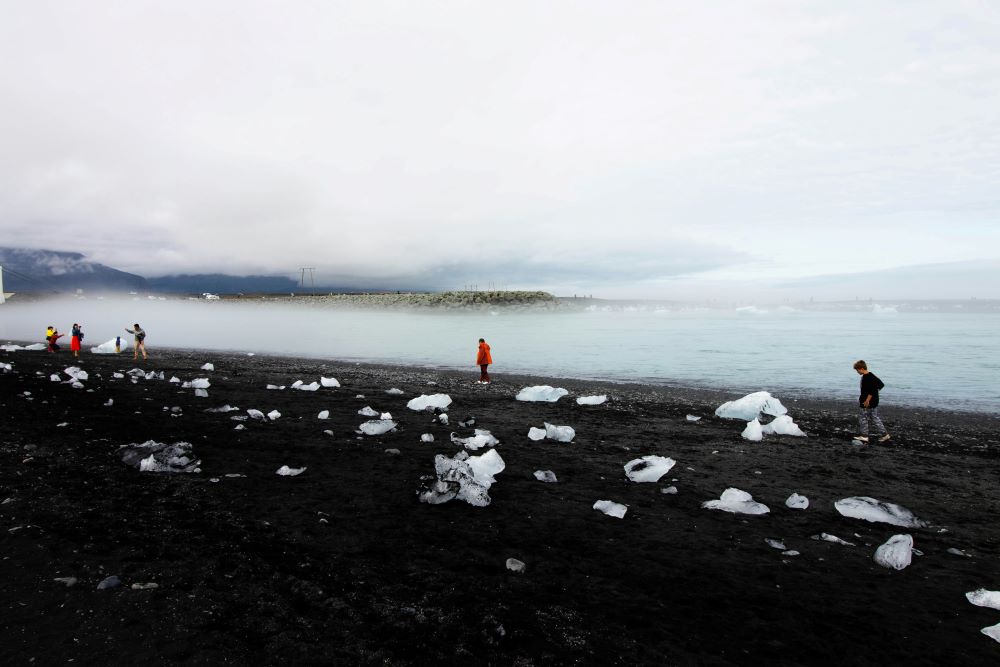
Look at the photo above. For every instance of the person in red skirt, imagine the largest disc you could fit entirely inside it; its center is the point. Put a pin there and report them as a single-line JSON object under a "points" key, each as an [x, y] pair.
{"points": [[484, 359], [77, 338]]}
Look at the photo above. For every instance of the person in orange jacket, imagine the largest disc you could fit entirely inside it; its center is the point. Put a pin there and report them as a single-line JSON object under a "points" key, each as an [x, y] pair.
{"points": [[484, 359]]}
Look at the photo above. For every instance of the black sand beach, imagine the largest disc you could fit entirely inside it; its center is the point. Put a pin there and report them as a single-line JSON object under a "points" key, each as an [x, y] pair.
{"points": [[343, 564]]}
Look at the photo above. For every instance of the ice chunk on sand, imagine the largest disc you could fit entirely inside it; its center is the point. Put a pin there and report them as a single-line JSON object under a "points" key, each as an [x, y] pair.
{"points": [[377, 426], [797, 502], [275, 387], [201, 393], [896, 553], [753, 431], [827, 537], [536, 433], [296, 384], [368, 411], [323, 414], [750, 406], [35, 347], [559, 433], [224, 408], [273, 414], [648, 468], [482, 438], [616, 510], [197, 383], [385, 415], [208, 367], [775, 544], [255, 414], [464, 477], [984, 598], [425, 401], [394, 391], [329, 382], [55, 377], [76, 373], [285, 471], [783, 425], [545, 476], [175, 380], [592, 400], [107, 347], [541, 393], [426, 437], [515, 565], [443, 418], [992, 631], [877, 511], [109, 403], [736, 501], [312, 386], [693, 418], [152, 456]]}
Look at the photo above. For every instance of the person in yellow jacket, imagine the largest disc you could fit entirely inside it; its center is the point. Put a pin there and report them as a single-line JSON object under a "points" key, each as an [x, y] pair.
{"points": [[483, 359]]}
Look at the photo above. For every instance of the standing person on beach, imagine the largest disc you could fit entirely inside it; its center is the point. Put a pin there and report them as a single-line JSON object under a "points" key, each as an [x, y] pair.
{"points": [[483, 359], [868, 401], [74, 342], [140, 341]]}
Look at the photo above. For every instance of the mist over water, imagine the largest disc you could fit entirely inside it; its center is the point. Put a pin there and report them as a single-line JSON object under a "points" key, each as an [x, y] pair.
{"points": [[944, 360]]}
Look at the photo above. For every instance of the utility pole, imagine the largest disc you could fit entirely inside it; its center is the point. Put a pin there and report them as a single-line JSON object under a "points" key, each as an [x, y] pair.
{"points": [[312, 278]]}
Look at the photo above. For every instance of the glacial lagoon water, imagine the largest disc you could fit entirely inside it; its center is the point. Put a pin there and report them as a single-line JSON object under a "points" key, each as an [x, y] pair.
{"points": [[947, 360]]}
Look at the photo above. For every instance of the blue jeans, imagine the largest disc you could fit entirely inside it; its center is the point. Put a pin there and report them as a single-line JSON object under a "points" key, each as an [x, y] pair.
{"points": [[868, 417]]}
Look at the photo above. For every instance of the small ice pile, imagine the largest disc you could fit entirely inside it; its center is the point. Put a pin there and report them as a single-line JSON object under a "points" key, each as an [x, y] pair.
{"points": [[107, 347], [328, 382], [425, 401], [543, 393], [648, 468], [783, 425], [285, 471], [736, 501], [797, 502], [559, 433], [617, 510], [464, 477], [753, 431], [877, 511], [152, 456], [377, 426], [592, 400], [896, 553], [751, 406], [546, 476], [482, 438], [77, 374], [368, 411]]}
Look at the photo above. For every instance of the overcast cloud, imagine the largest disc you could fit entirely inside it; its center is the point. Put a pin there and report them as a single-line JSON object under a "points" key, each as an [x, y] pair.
{"points": [[639, 148]]}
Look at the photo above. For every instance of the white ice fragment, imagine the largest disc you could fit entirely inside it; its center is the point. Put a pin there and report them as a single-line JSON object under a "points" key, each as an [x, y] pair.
{"points": [[877, 511], [426, 437], [377, 426], [515, 565], [225, 408], [119, 376], [592, 400], [385, 415], [753, 431], [443, 418], [611, 508], [197, 383], [285, 471], [273, 414], [329, 382], [109, 403], [736, 501], [648, 468], [394, 391], [896, 553], [424, 401], [783, 425], [55, 378], [35, 347], [482, 438], [545, 476], [670, 490], [175, 380], [693, 418], [797, 502], [992, 631], [368, 411], [296, 384], [536, 433], [255, 414], [790, 552], [541, 393], [239, 427], [827, 537], [559, 433], [208, 367], [464, 477], [201, 393], [984, 598], [77, 384], [312, 386], [323, 414], [775, 544], [274, 387], [957, 552], [77, 374], [750, 406], [360, 396], [107, 347], [151, 456]]}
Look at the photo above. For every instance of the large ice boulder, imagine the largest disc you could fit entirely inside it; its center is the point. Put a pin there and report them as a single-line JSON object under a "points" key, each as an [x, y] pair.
{"points": [[543, 393], [425, 401], [878, 511], [463, 477], [482, 438], [329, 382], [107, 347], [152, 456], [559, 433], [896, 553], [648, 468], [737, 502], [751, 406], [783, 425]]}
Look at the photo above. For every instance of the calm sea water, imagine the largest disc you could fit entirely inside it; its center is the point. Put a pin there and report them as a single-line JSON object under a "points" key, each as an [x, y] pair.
{"points": [[948, 360]]}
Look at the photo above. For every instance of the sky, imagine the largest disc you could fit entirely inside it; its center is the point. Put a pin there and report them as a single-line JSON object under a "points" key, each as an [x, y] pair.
{"points": [[643, 149]]}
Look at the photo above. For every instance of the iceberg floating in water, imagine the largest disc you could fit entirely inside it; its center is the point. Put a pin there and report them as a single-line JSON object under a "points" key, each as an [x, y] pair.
{"points": [[896, 553], [753, 431], [152, 456], [751, 406], [464, 477], [797, 502], [329, 382], [877, 511], [592, 400], [543, 393], [482, 438], [559, 433], [648, 468], [377, 426], [736, 501], [425, 401], [610, 508], [285, 471], [783, 425]]}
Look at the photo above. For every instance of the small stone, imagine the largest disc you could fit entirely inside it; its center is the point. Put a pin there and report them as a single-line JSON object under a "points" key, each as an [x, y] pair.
{"points": [[145, 587], [514, 565]]}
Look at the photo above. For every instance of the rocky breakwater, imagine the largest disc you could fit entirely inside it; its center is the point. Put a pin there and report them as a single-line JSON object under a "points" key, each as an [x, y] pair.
{"points": [[508, 300]]}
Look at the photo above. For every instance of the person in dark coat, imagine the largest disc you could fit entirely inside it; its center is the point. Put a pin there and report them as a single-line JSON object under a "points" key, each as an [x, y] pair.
{"points": [[868, 417]]}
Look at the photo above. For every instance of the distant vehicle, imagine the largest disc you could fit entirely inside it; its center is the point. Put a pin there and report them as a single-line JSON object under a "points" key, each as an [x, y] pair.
{"points": [[210, 297]]}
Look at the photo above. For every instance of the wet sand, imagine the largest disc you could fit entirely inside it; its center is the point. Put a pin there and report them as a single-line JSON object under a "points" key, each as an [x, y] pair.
{"points": [[343, 564]]}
